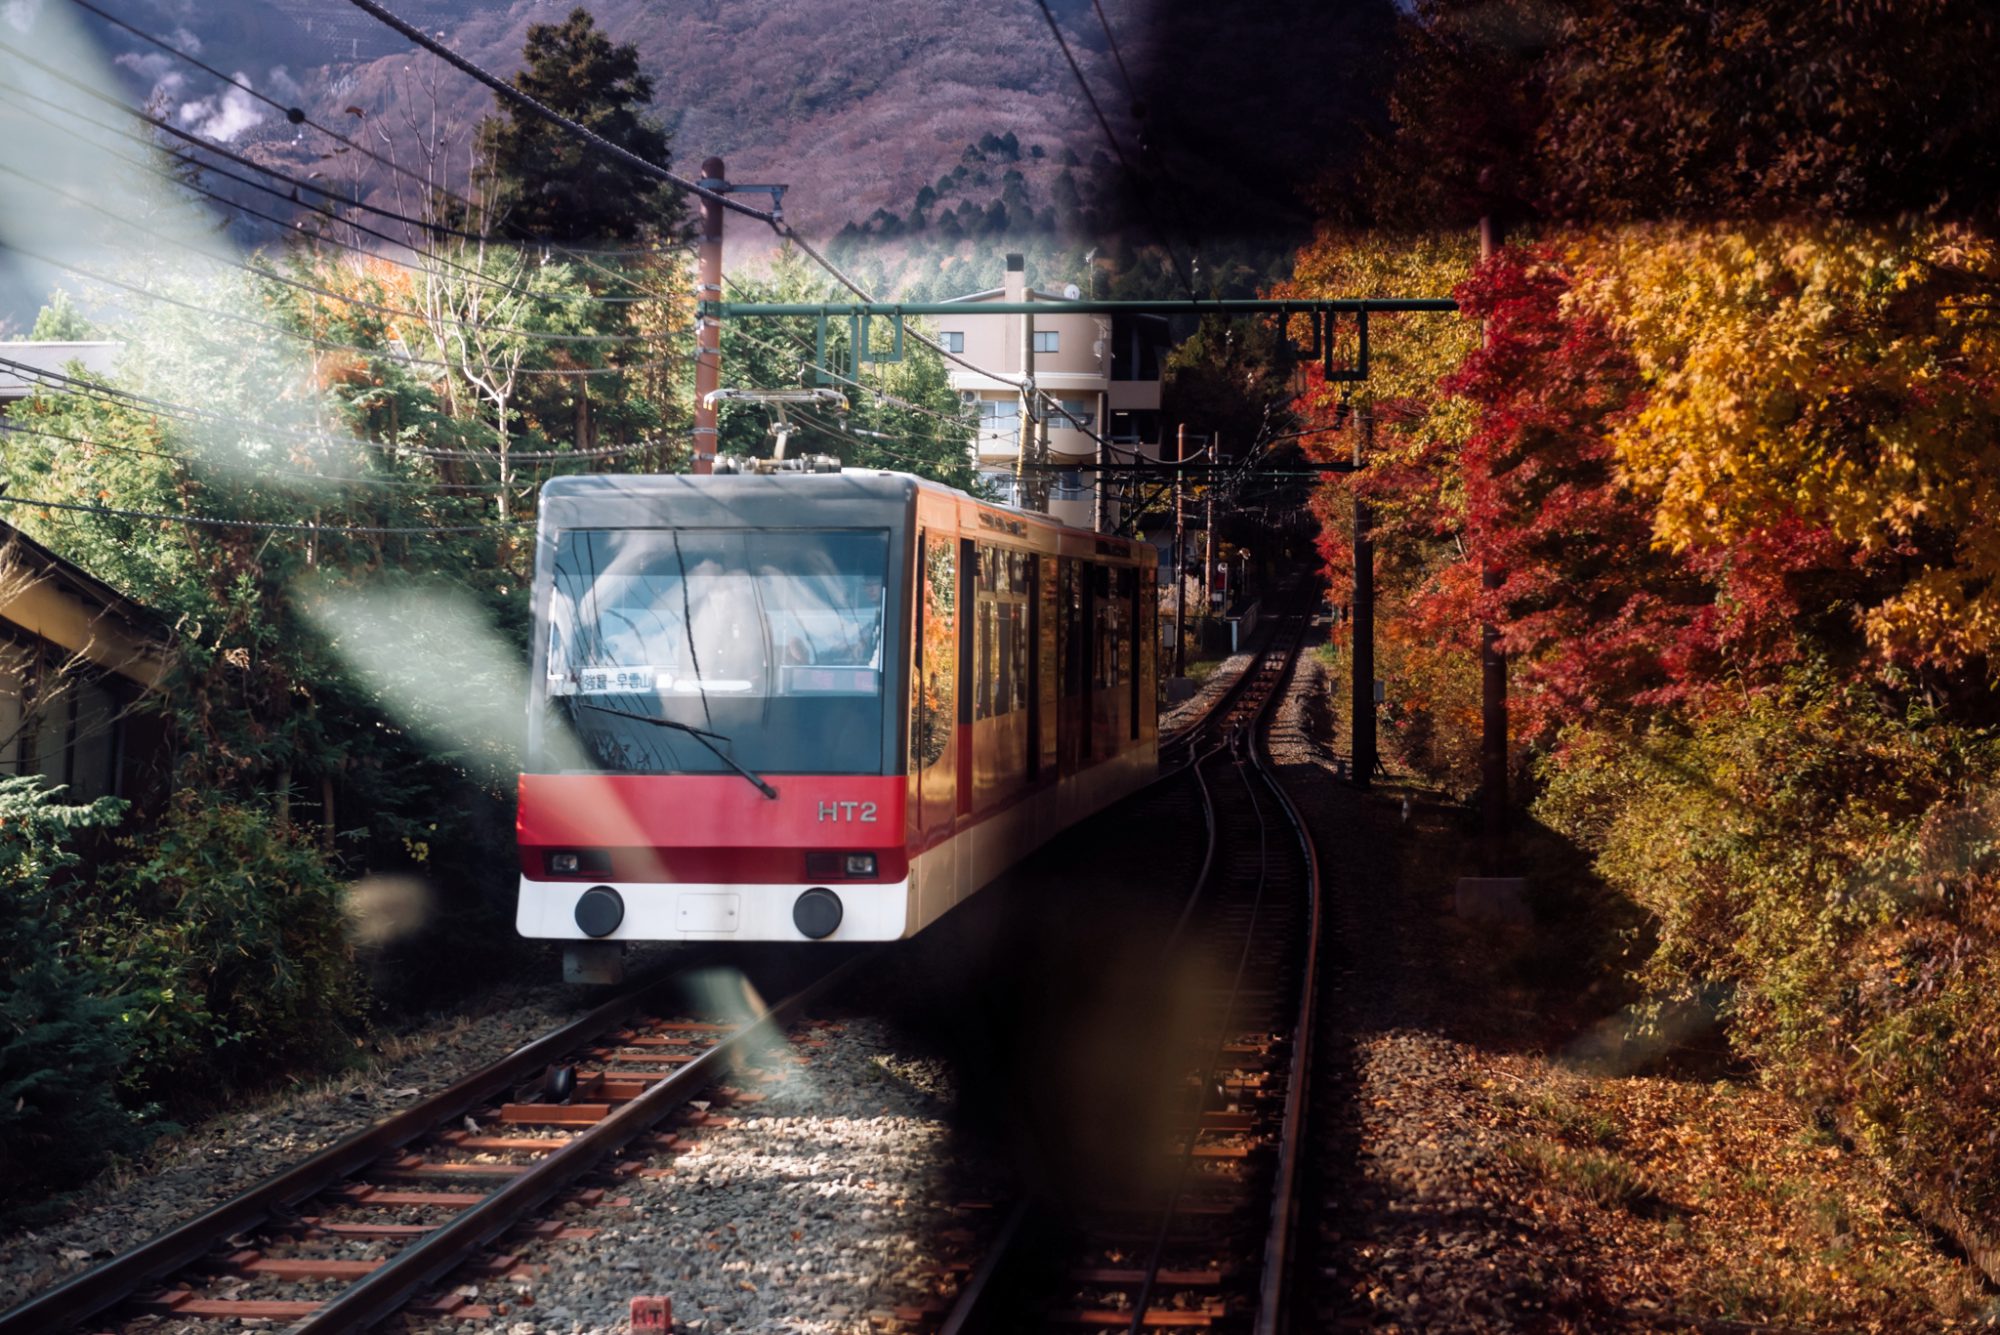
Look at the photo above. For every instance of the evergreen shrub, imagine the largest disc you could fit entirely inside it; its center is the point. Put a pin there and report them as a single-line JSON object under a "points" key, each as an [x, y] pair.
{"points": [[63, 1042], [1829, 860], [223, 928]]}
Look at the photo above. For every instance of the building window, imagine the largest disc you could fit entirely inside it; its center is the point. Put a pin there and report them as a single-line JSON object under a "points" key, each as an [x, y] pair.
{"points": [[1048, 340], [952, 340], [1000, 417], [1077, 414]]}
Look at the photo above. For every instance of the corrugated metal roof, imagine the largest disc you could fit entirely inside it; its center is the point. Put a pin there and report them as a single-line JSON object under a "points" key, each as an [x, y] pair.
{"points": [[95, 357]]}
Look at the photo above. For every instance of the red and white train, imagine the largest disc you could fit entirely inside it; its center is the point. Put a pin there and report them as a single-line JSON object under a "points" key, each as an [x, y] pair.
{"points": [[814, 706]]}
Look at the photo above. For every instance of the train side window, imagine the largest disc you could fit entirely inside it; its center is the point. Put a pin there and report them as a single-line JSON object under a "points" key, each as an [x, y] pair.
{"points": [[1105, 636], [1130, 642], [936, 652], [983, 670]]}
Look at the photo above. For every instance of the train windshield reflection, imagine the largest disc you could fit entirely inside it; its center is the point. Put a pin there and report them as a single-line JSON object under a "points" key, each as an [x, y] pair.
{"points": [[771, 638]]}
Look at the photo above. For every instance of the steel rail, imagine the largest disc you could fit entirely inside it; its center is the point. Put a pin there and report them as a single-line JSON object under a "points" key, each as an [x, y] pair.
{"points": [[971, 1310], [1248, 734], [84, 1295], [969, 1313], [429, 1259], [1273, 1289]]}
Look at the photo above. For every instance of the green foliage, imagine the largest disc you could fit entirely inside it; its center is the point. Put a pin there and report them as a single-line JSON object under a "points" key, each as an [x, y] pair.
{"points": [[60, 322], [1829, 862], [223, 931], [64, 1042], [931, 439], [551, 185]]}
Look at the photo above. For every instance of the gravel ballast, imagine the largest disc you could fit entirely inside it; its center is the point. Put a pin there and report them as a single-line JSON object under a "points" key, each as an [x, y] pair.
{"points": [[183, 1175]]}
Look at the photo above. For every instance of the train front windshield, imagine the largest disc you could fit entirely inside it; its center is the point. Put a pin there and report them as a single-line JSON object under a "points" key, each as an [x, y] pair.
{"points": [[770, 641]]}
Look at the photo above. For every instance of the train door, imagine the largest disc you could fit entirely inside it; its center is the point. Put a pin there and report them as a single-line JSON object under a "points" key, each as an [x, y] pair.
{"points": [[1135, 626], [1071, 638], [934, 691], [968, 573], [1033, 565]]}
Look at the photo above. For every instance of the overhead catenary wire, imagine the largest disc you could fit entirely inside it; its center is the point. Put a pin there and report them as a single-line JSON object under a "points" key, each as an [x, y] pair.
{"points": [[534, 335], [56, 380], [296, 227], [303, 475], [429, 227], [1124, 75], [298, 116], [1090, 95], [325, 344], [590, 137], [261, 525], [426, 226], [554, 117]]}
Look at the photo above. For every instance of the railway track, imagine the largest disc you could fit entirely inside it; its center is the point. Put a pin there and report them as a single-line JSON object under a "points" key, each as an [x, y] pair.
{"points": [[378, 1222], [1202, 1241]]}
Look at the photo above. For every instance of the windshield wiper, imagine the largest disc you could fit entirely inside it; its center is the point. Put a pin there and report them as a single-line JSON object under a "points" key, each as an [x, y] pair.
{"points": [[701, 735]]}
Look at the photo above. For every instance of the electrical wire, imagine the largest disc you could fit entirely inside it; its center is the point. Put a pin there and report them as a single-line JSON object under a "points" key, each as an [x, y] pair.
{"points": [[124, 397], [376, 306], [554, 117], [775, 220], [296, 228], [324, 344], [261, 525], [41, 433], [431, 228], [1124, 75], [1180, 270]]}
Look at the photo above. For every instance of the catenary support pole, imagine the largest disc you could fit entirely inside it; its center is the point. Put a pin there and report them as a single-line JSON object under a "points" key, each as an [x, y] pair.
{"points": [[708, 321], [1208, 526], [1180, 560], [1362, 632], [1492, 680]]}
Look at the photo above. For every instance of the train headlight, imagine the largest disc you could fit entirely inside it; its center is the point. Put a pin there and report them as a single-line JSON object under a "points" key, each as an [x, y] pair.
{"points": [[860, 864], [579, 862], [565, 864]]}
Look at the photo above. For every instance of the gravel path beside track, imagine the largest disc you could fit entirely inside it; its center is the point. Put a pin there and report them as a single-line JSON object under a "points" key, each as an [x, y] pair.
{"points": [[183, 1175], [1211, 689], [1481, 1169]]}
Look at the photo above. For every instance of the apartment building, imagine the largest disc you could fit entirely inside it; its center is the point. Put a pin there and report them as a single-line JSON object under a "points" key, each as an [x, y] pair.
{"points": [[1103, 373]]}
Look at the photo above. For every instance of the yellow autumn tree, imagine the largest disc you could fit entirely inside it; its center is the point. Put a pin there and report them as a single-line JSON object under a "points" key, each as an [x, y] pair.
{"points": [[1842, 375]]}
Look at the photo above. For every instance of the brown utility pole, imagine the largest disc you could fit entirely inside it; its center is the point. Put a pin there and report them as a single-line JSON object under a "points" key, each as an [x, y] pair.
{"points": [[1098, 515], [1362, 704], [1492, 680], [1180, 561], [1208, 522], [1024, 440], [708, 320]]}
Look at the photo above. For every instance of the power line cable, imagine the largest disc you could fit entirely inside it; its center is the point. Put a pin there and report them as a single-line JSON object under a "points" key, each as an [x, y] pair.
{"points": [[40, 432], [1124, 76], [262, 525], [56, 380], [325, 344], [298, 115], [376, 306], [431, 228], [1180, 270], [554, 117], [295, 228]]}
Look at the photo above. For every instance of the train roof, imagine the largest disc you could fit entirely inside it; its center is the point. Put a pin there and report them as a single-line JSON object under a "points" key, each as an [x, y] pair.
{"points": [[850, 497]]}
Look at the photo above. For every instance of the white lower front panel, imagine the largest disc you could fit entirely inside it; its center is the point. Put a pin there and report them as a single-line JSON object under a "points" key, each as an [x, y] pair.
{"points": [[656, 912]]}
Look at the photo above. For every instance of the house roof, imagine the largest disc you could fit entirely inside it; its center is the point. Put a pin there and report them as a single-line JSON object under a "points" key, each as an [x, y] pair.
{"points": [[68, 606], [96, 357]]}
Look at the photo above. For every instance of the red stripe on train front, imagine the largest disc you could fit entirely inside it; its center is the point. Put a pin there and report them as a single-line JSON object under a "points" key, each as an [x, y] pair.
{"points": [[709, 811]]}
